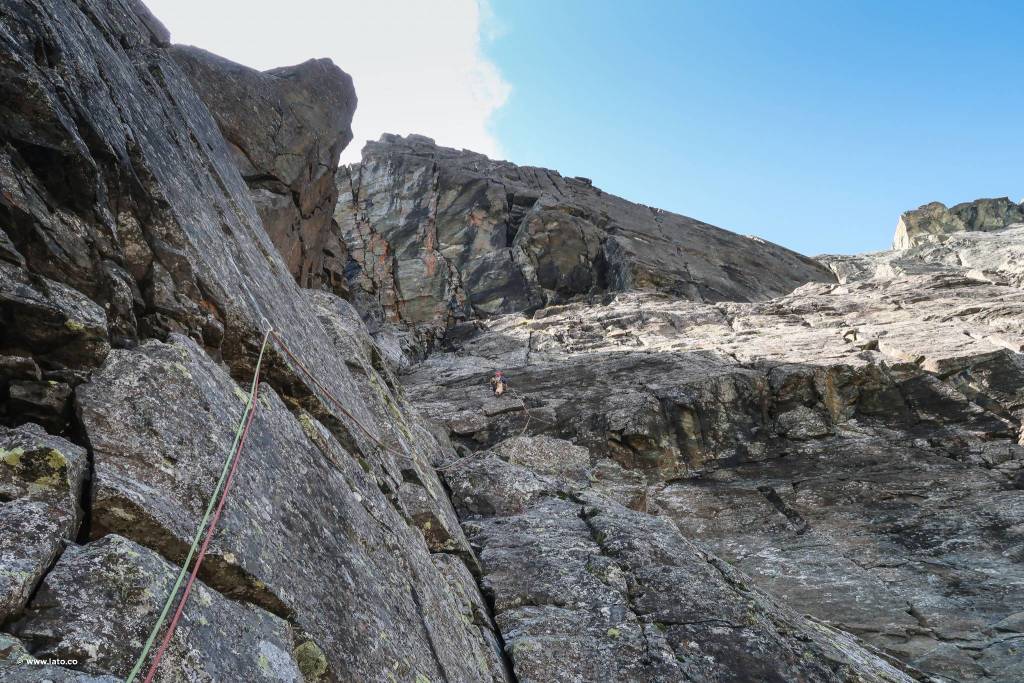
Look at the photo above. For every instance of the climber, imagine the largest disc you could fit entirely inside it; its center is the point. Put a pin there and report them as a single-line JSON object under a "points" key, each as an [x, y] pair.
{"points": [[499, 383]]}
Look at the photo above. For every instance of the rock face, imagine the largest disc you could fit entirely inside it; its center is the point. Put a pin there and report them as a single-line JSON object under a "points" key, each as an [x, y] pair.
{"points": [[715, 462], [69, 619], [285, 129], [933, 223], [996, 256], [136, 283], [438, 236], [40, 480], [305, 514], [585, 589], [854, 448]]}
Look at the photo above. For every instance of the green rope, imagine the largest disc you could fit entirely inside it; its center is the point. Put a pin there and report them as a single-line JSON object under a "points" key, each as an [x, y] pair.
{"points": [[206, 518]]}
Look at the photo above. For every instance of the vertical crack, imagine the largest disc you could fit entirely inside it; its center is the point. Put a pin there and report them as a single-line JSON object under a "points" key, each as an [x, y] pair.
{"points": [[794, 517]]}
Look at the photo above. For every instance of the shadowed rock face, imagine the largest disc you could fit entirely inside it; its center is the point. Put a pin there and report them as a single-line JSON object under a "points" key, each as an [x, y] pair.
{"points": [[136, 283], [285, 129], [934, 223], [438, 236]]}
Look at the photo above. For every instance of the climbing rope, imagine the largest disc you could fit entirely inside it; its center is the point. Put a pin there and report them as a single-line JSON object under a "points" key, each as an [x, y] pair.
{"points": [[215, 506], [217, 498], [330, 397]]}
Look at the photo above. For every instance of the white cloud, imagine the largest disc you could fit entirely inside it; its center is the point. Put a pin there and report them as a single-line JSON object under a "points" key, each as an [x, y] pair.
{"points": [[418, 66]]}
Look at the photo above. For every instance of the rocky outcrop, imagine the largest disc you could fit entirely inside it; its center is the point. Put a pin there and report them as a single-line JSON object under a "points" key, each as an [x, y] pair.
{"points": [[934, 223], [996, 256], [715, 461], [305, 513], [438, 236], [41, 478], [136, 284], [70, 619], [285, 129], [855, 448]]}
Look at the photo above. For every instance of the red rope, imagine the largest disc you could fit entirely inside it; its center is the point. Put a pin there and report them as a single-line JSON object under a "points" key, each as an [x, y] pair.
{"points": [[330, 397], [211, 530], [206, 542]]}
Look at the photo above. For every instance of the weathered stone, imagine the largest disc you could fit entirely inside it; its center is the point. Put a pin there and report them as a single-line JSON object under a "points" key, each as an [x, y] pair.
{"points": [[17, 664], [46, 318], [45, 403], [304, 513], [73, 617], [97, 114], [854, 447], [440, 235], [441, 531], [545, 455], [934, 222], [490, 487], [868, 542], [996, 257], [41, 479], [474, 610], [817, 441], [15, 367], [584, 589], [286, 129]]}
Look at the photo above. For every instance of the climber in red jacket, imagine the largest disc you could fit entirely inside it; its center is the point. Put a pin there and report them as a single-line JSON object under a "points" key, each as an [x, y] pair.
{"points": [[499, 383]]}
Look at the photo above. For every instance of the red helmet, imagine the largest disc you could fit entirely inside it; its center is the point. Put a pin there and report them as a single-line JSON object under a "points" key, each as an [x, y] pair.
{"points": [[499, 373]]}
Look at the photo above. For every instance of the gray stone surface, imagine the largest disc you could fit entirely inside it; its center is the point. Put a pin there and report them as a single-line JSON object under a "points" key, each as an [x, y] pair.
{"points": [[913, 551], [438, 236], [41, 479], [996, 256], [126, 222], [586, 590], [285, 128], [18, 664], [854, 448], [217, 639], [309, 534], [125, 207], [847, 432]]}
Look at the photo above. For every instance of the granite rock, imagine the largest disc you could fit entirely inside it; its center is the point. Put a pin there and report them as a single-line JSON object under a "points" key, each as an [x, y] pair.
{"points": [[41, 478], [439, 236], [934, 222], [285, 128]]}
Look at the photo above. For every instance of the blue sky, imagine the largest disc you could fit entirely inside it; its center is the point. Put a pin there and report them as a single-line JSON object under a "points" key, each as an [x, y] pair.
{"points": [[811, 124]]}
